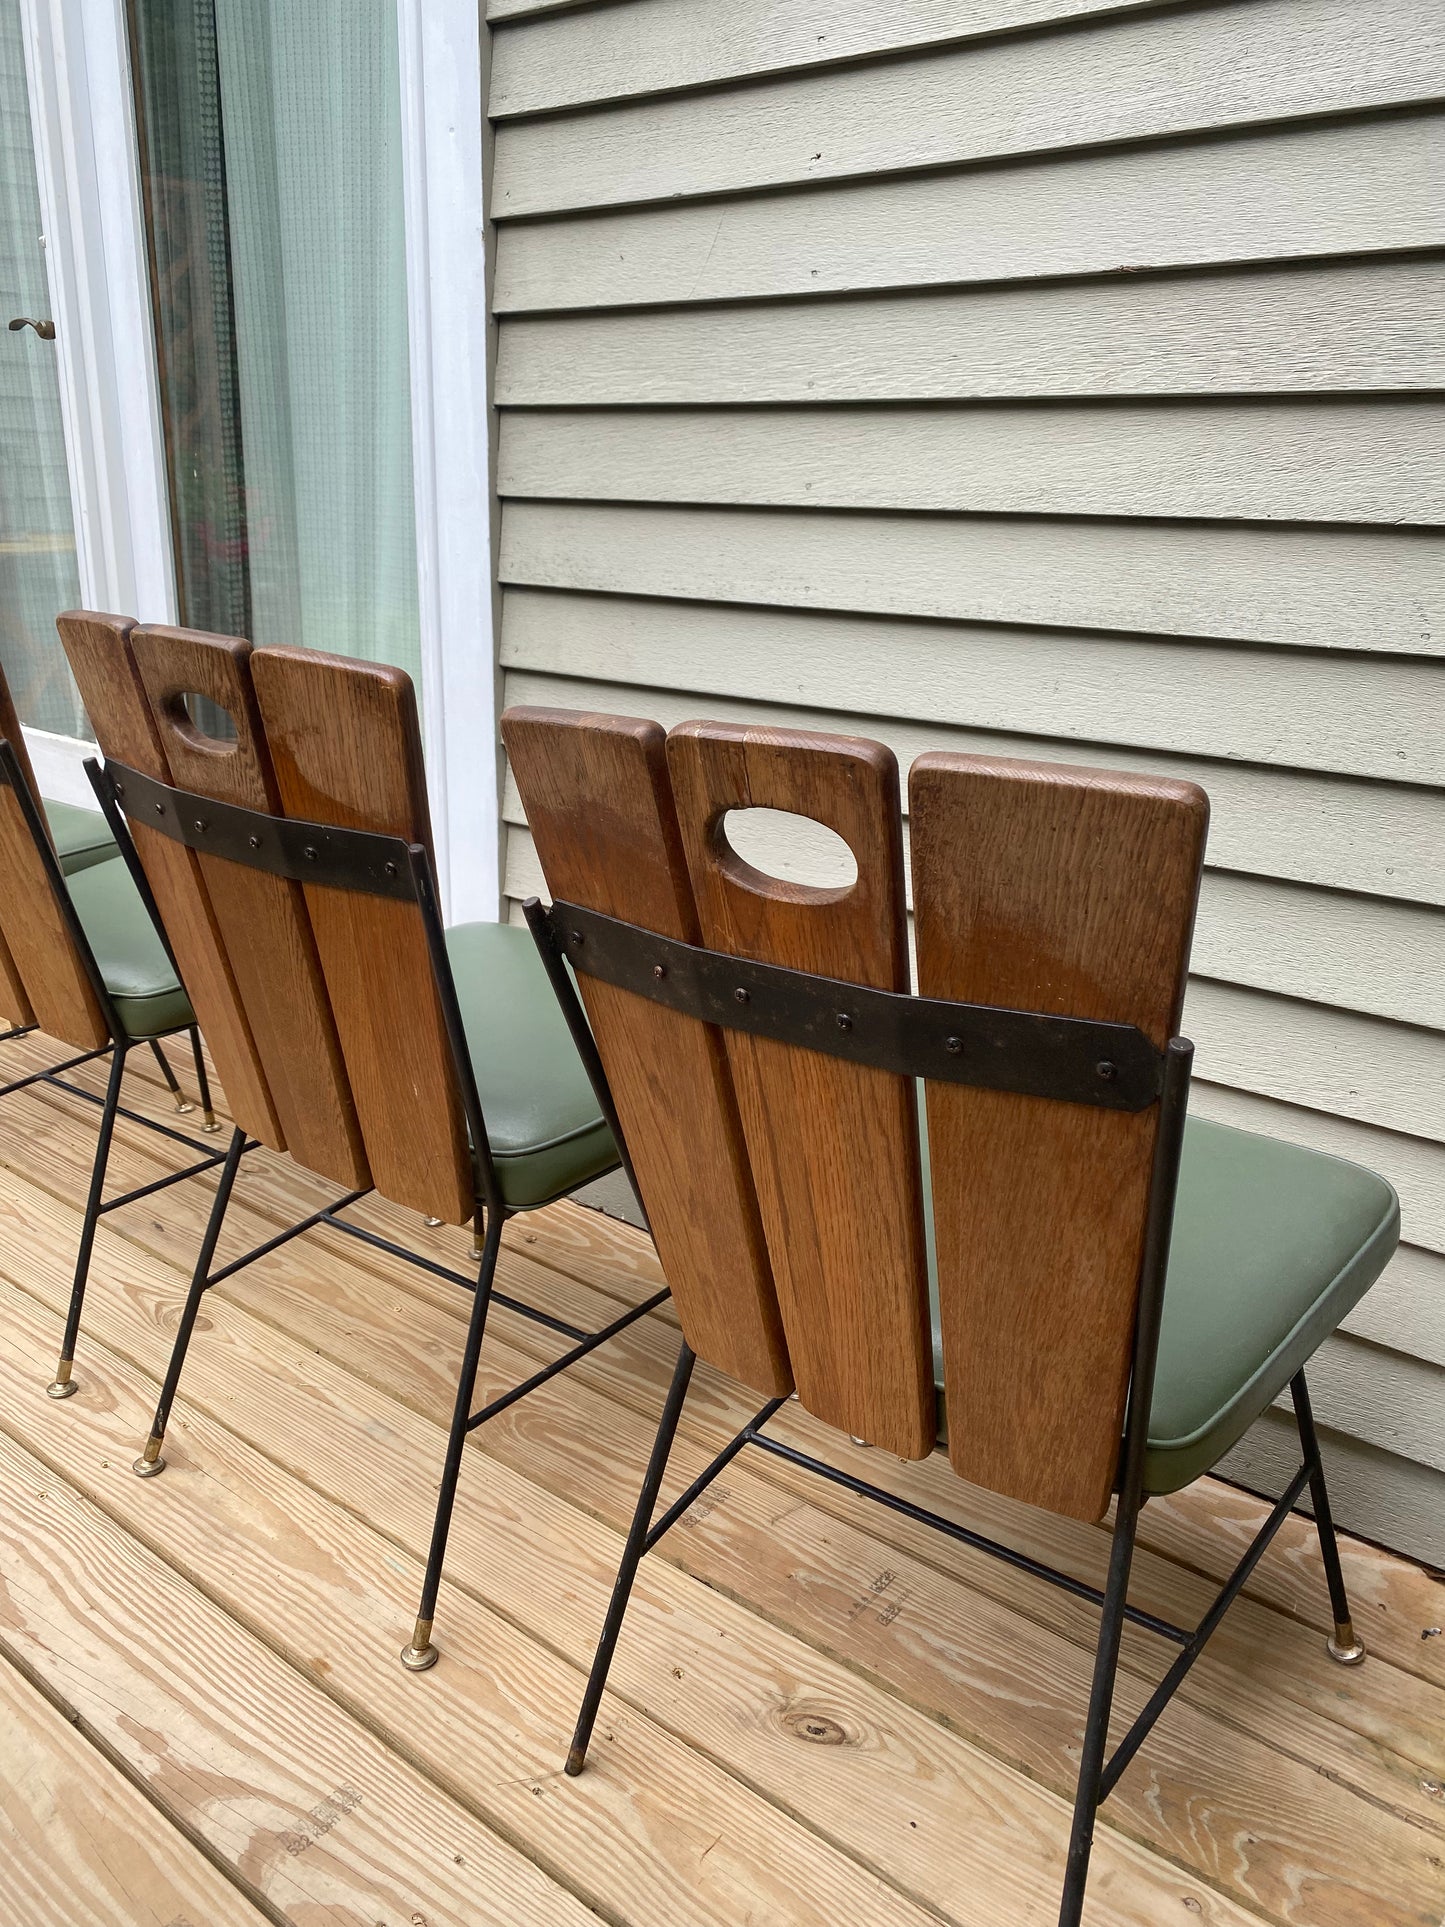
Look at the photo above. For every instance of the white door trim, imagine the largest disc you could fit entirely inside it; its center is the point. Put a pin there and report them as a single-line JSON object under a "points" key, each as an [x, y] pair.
{"points": [[82, 118], [441, 126]]}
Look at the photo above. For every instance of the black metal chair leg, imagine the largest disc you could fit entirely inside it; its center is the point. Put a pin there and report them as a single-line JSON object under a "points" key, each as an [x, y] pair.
{"points": [[150, 1462], [631, 1558], [183, 1103], [1343, 1645], [62, 1385], [421, 1653], [1101, 1702], [203, 1083]]}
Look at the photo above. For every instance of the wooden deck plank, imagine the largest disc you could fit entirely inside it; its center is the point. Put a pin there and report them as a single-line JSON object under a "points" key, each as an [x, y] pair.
{"points": [[659, 1836], [71, 1825], [320, 1301], [311, 1808], [493, 1720], [1279, 1833]]}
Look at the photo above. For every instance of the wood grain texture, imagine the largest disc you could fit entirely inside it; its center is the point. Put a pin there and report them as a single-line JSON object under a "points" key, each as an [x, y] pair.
{"points": [[364, 770], [1209, 68], [1365, 954], [606, 831], [1261, 195], [42, 977], [70, 1824], [98, 647], [834, 1146], [1373, 838], [1070, 891], [1304, 330], [1368, 461], [647, 46], [262, 919], [1303, 709], [1323, 1858], [319, 1817]]}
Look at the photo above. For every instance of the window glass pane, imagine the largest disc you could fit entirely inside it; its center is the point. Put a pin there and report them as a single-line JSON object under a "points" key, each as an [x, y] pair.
{"points": [[37, 535], [271, 155]]}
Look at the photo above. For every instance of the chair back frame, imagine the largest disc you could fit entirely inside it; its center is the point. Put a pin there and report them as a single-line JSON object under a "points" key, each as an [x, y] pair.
{"points": [[328, 855], [14, 777], [1104, 1065]]}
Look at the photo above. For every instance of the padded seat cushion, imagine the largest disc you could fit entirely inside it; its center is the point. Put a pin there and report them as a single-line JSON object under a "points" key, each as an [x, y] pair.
{"points": [[1272, 1247], [138, 974], [546, 1130], [81, 837]]}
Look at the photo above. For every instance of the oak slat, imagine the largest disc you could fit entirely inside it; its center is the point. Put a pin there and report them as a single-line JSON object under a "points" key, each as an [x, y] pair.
{"points": [[364, 770], [40, 968], [1072, 891], [262, 919], [69, 1823], [834, 1146], [101, 661], [15, 1006], [602, 815]]}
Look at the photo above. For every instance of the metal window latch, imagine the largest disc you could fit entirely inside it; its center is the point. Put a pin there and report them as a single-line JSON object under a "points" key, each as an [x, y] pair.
{"points": [[45, 329]]}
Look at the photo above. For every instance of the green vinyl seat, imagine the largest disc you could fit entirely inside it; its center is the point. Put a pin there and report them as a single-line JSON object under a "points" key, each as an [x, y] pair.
{"points": [[81, 837], [546, 1130], [1273, 1246], [132, 959]]}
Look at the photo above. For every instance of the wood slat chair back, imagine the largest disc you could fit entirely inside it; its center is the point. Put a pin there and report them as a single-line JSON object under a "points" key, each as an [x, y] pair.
{"points": [[261, 918], [42, 977], [600, 809], [833, 1145], [103, 663], [1039, 889], [1068, 891], [345, 746]]}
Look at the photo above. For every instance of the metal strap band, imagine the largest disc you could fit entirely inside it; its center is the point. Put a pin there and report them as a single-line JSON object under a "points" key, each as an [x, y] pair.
{"points": [[326, 853], [1072, 1059]]}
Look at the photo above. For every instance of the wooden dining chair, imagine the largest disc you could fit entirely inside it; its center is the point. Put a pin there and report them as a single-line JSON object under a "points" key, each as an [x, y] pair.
{"points": [[82, 961], [292, 863], [1110, 1295]]}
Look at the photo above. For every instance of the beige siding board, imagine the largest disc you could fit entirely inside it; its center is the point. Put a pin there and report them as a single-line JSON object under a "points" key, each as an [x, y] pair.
{"points": [[1342, 588], [1368, 716], [522, 9], [646, 46], [1357, 952], [1390, 1075], [1385, 839], [1354, 187], [1386, 1398], [1309, 329], [1365, 461], [1132, 79], [1371, 1492], [1405, 1308]]}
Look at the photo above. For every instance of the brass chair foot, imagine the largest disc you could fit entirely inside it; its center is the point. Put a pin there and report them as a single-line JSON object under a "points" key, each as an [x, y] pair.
{"points": [[184, 1106], [1344, 1647], [421, 1654], [62, 1387], [150, 1463], [212, 1123], [576, 1760], [853, 1439], [431, 1223]]}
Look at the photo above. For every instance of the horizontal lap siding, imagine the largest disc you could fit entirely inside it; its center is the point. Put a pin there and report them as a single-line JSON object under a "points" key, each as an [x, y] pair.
{"points": [[1034, 377]]}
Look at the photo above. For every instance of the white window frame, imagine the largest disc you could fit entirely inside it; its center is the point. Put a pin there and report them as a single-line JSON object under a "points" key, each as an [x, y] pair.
{"points": [[82, 115]]}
